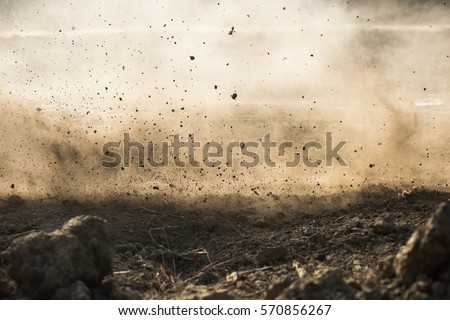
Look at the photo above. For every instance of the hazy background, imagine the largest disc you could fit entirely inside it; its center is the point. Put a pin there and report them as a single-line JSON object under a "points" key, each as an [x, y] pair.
{"points": [[77, 74]]}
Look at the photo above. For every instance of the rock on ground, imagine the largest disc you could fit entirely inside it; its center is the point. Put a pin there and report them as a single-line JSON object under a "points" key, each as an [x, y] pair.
{"points": [[428, 250], [40, 263]]}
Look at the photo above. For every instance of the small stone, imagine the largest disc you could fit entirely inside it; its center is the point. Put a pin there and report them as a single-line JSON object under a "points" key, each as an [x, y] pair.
{"points": [[233, 277]]}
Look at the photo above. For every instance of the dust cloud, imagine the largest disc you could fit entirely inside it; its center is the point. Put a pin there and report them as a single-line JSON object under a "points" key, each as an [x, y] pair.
{"points": [[76, 75]]}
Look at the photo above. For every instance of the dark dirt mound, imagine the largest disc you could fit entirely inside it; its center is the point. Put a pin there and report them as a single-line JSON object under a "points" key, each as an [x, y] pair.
{"points": [[77, 254], [170, 252]]}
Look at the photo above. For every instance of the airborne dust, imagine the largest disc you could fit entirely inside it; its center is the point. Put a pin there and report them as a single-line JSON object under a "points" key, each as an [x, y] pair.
{"points": [[77, 75]]}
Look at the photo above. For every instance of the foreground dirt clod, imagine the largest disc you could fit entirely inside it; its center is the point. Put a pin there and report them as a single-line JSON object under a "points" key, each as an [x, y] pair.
{"points": [[427, 253], [74, 256]]}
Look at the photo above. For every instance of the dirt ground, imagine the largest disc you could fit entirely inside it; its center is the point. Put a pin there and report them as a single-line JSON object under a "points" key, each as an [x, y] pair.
{"points": [[171, 252]]}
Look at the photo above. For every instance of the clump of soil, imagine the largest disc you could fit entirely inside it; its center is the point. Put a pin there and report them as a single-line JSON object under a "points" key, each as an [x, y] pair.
{"points": [[79, 253], [170, 252]]}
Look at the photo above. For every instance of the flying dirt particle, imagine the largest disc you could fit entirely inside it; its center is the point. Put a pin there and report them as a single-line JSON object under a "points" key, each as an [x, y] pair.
{"points": [[155, 187], [12, 186], [192, 58], [231, 31], [371, 165], [234, 96], [215, 87]]}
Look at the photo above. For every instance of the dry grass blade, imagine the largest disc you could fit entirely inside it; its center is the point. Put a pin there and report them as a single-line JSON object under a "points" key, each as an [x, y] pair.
{"points": [[217, 264], [163, 229]]}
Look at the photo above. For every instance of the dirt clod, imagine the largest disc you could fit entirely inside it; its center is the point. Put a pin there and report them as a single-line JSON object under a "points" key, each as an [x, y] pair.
{"points": [[427, 251], [40, 262]]}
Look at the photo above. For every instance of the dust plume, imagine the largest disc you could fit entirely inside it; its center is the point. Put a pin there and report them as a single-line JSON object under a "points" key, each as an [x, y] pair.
{"points": [[77, 75]]}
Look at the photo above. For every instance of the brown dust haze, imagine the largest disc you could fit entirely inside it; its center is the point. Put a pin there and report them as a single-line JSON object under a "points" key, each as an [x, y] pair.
{"points": [[75, 75]]}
